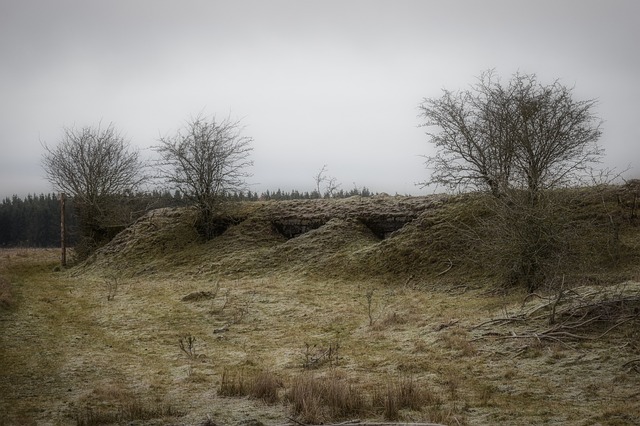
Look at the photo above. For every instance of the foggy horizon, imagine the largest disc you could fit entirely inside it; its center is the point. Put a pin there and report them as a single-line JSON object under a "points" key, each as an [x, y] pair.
{"points": [[314, 83]]}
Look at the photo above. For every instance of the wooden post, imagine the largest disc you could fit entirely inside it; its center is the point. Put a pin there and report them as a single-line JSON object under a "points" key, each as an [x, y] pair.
{"points": [[63, 247]]}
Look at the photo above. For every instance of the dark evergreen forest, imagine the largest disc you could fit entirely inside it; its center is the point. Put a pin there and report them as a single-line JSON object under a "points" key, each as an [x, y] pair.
{"points": [[33, 221]]}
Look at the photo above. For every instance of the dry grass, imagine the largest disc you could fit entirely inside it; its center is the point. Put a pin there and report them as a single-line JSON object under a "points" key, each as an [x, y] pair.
{"points": [[315, 400], [6, 296], [71, 353], [404, 393], [262, 385]]}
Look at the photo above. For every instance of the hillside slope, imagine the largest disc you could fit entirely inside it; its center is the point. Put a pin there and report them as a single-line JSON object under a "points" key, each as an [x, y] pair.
{"points": [[403, 237]]}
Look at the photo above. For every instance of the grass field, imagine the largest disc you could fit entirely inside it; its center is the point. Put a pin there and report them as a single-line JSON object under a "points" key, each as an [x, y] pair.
{"points": [[79, 350], [126, 340]]}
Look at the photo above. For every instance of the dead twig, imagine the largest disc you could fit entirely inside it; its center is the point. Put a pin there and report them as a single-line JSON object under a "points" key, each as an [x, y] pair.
{"points": [[446, 270]]}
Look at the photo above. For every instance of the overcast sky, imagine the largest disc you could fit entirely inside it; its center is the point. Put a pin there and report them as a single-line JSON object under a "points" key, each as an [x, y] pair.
{"points": [[314, 82]]}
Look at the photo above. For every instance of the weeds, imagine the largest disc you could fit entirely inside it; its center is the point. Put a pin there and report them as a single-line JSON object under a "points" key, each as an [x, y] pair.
{"points": [[233, 385], [111, 285], [238, 308], [315, 357], [371, 306], [402, 394], [131, 411], [315, 400], [263, 386], [187, 344]]}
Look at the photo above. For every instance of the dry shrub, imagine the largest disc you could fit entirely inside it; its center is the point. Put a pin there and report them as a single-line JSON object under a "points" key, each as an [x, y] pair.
{"points": [[119, 406], [403, 394], [233, 384], [306, 400], [263, 385], [316, 400], [129, 412], [316, 356], [6, 297]]}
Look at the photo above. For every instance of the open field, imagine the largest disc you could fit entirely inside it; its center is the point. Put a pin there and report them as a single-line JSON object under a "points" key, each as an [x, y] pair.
{"points": [[126, 340]]}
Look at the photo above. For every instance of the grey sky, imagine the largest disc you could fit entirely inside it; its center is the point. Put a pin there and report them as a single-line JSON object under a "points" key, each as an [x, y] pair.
{"points": [[314, 82]]}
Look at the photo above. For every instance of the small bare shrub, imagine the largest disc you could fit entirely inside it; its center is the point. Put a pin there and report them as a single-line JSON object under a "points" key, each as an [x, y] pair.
{"points": [[315, 357], [111, 285], [187, 344], [374, 308]]}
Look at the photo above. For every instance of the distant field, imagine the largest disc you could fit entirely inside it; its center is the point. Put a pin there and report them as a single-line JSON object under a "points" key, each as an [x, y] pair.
{"points": [[196, 333]]}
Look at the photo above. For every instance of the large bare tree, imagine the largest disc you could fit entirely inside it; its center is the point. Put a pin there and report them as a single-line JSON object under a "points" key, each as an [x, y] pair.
{"points": [[206, 160], [94, 165], [519, 141], [522, 135]]}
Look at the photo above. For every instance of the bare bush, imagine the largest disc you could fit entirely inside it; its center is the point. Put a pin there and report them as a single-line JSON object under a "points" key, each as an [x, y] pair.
{"points": [[187, 344], [97, 167], [519, 135], [205, 160], [316, 356]]}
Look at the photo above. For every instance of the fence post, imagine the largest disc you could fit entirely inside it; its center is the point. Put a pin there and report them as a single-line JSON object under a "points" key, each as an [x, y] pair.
{"points": [[63, 247]]}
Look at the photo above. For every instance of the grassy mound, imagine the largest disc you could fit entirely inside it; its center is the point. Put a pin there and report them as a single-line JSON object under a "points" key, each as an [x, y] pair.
{"points": [[422, 238]]}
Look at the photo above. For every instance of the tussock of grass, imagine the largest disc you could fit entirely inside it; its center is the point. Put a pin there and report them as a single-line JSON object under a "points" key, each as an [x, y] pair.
{"points": [[402, 394], [130, 411], [318, 399], [263, 385], [233, 384]]}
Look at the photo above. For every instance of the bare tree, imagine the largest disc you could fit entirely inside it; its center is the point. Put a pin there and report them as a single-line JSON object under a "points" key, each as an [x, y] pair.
{"points": [[519, 141], [522, 135], [205, 160], [331, 184], [94, 165]]}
